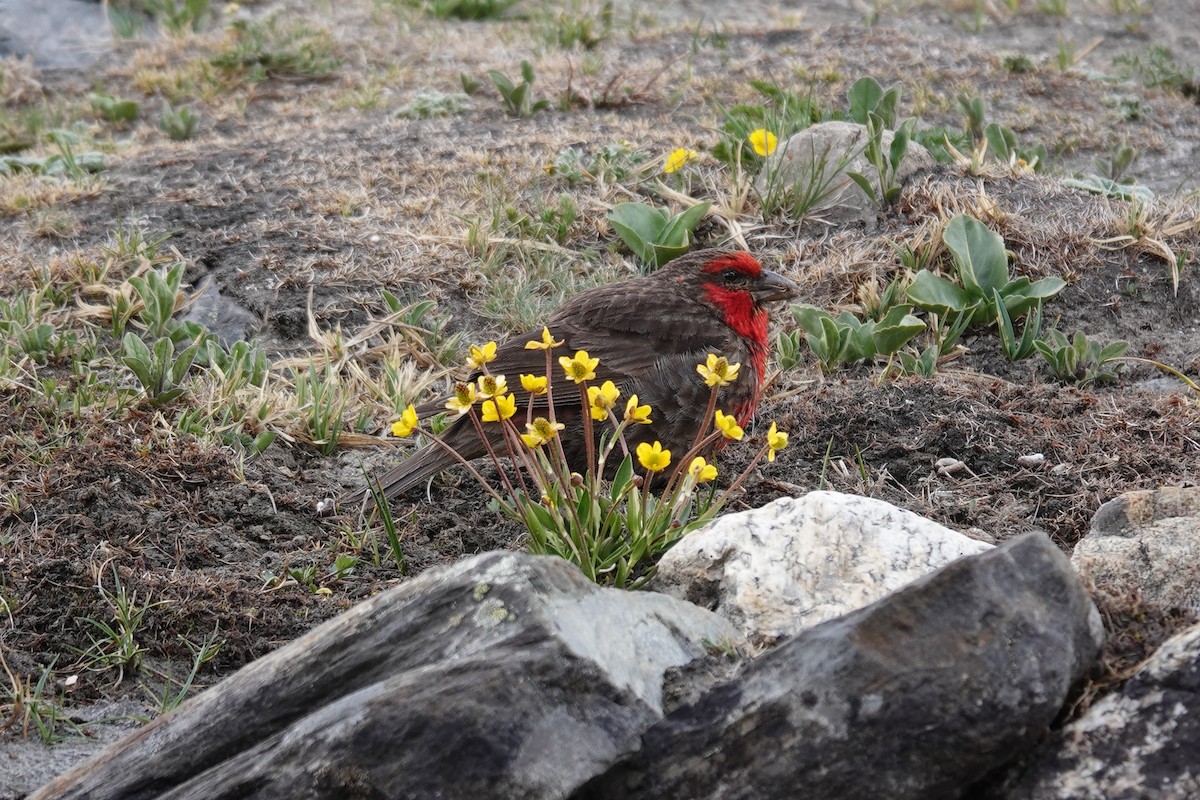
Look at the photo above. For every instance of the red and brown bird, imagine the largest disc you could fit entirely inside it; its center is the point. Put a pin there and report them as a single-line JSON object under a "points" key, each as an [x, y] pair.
{"points": [[650, 334]]}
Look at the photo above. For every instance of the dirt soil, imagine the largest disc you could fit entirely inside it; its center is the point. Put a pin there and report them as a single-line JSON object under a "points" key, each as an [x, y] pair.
{"points": [[299, 187]]}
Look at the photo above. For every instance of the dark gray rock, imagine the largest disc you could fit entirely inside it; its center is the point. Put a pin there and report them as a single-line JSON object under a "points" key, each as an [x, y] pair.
{"points": [[915, 696], [1142, 743], [505, 675]]}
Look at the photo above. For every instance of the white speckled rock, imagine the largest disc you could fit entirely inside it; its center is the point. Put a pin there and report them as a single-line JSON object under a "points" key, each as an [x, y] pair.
{"points": [[1147, 540], [797, 562]]}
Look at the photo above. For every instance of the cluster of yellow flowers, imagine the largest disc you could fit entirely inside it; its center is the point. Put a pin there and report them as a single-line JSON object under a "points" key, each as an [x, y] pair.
{"points": [[497, 404], [761, 140]]}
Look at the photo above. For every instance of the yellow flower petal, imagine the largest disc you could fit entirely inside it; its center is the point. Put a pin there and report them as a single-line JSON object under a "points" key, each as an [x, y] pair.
{"points": [[534, 384], [540, 431], [717, 371], [491, 386], [636, 413], [404, 426], [728, 426], [501, 408], [481, 355], [763, 141], [701, 470], [776, 441], [580, 368], [602, 398], [547, 342], [653, 457], [678, 158], [464, 398]]}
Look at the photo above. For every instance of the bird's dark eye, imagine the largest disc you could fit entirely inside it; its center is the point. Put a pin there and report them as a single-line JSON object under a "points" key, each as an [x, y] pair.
{"points": [[731, 276]]}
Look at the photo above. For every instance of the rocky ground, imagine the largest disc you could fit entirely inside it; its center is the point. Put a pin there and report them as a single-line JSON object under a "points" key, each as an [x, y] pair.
{"points": [[311, 183]]}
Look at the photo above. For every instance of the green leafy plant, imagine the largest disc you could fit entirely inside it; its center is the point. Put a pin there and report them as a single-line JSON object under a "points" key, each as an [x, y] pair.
{"points": [[653, 234], [475, 10], [321, 400], [159, 369], [117, 647], [1158, 66], [868, 97], [266, 48], [113, 109], [429, 103], [179, 17], [611, 163], [178, 123], [875, 108], [159, 294], [1004, 145], [1107, 187], [981, 264], [846, 340], [910, 361], [1080, 360], [578, 26], [1017, 349], [518, 97]]}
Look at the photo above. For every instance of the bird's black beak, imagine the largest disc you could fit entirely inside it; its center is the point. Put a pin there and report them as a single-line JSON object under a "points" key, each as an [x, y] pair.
{"points": [[770, 286]]}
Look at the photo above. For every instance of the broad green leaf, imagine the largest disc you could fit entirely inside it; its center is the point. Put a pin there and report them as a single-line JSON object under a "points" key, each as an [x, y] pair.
{"points": [[934, 293], [892, 334], [679, 230], [978, 254], [809, 317], [864, 184], [864, 98], [1001, 140]]}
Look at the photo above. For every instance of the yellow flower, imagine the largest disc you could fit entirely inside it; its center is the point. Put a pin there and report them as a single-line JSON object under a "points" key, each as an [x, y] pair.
{"points": [[580, 368], [636, 413], [727, 425], [491, 386], [718, 371], [776, 440], [546, 343], [602, 398], [464, 398], [503, 407], [763, 142], [404, 426], [534, 384], [541, 430], [701, 470], [678, 158], [481, 355], [653, 457]]}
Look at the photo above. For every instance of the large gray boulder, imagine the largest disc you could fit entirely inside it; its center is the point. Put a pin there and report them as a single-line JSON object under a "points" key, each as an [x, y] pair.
{"points": [[504, 675], [916, 696], [797, 562]]}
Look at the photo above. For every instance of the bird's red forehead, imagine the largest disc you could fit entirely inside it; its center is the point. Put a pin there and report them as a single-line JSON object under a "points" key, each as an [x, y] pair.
{"points": [[742, 262]]}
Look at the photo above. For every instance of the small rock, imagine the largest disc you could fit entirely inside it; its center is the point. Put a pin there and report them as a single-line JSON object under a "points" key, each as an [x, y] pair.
{"points": [[796, 562], [1149, 540]]}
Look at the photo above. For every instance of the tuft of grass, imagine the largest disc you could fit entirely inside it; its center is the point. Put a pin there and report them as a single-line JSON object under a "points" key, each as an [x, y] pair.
{"points": [[270, 48]]}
